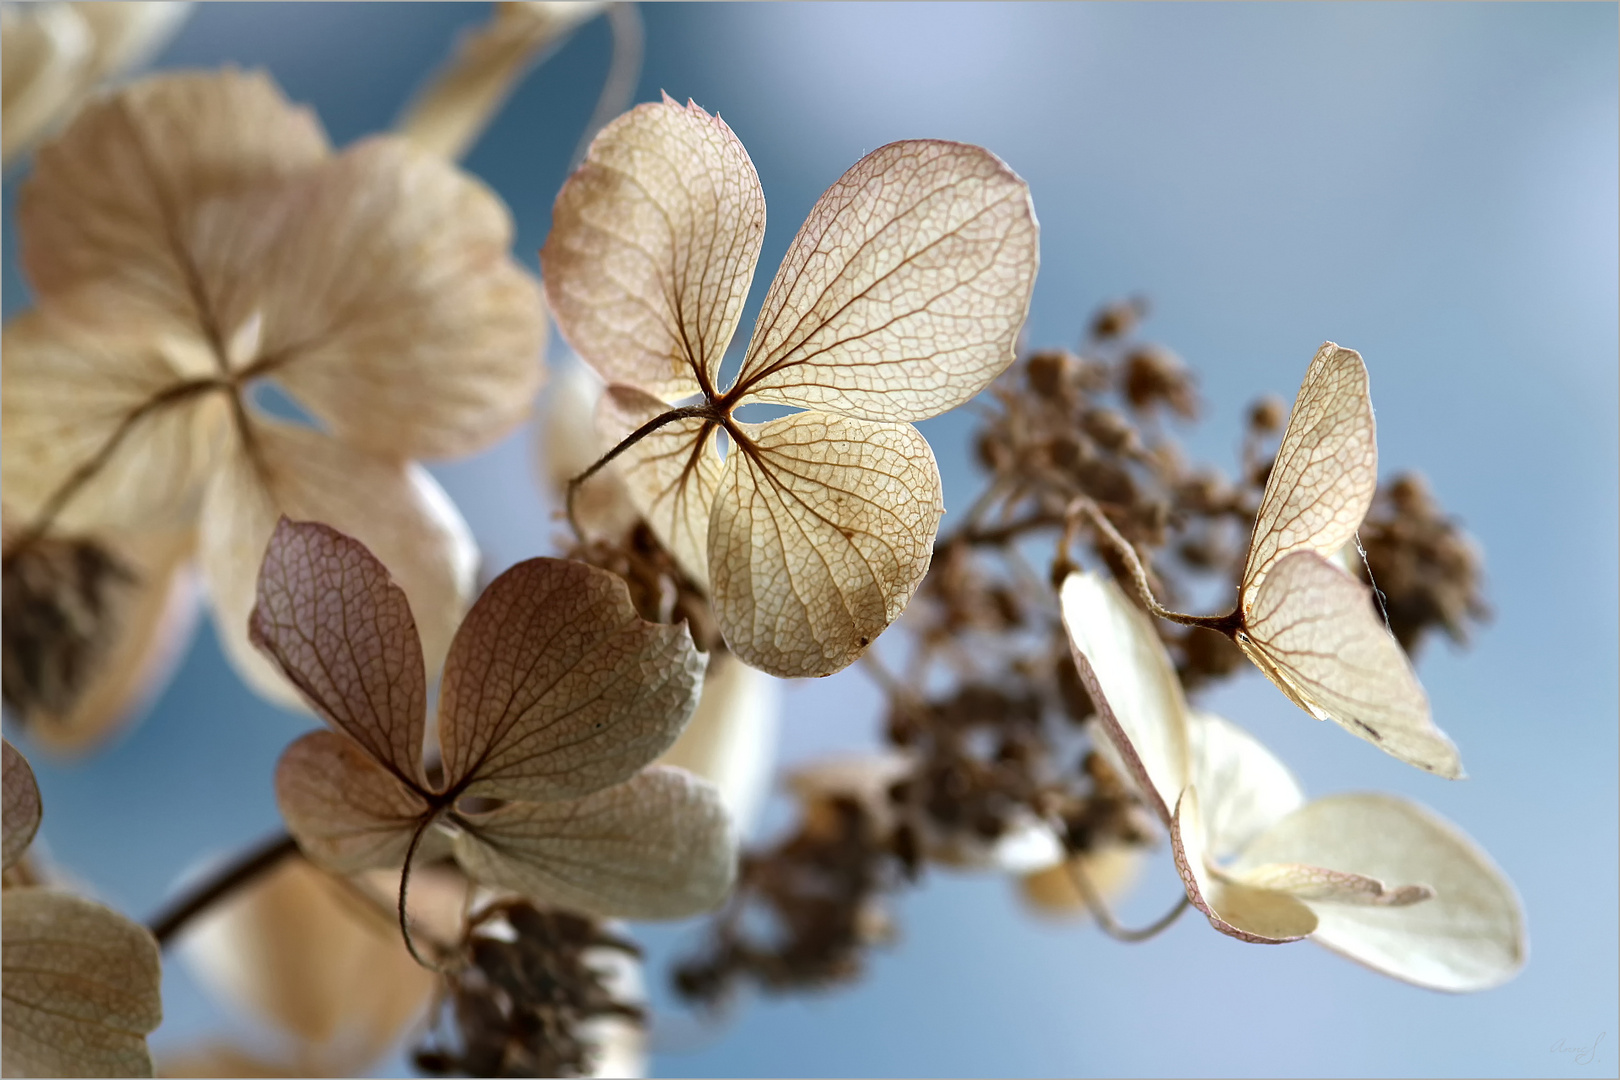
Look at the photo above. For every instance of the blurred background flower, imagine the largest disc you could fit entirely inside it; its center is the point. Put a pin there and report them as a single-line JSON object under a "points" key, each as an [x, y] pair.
{"points": [[1433, 186]]}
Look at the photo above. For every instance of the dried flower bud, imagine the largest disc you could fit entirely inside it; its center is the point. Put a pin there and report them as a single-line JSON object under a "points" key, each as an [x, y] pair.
{"points": [[1110, 429], [1155, 376], [1118, 318], [1267, 415], [1050, 371]]}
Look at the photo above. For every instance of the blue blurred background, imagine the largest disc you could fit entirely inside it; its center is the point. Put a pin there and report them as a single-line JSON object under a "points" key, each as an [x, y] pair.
{"points": [[1432, 185]]}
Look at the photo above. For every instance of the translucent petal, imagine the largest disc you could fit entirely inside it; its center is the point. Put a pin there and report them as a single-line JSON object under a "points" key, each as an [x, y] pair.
{"points": [[111, 198], [822, 529], [568, 444], [339, 628], [556, 688], [652, 248], [449, 117], [1132, 684], [22, 808], [731, 741], [1258, 916], [658, 846], [71, 394], [1314, 632], [1326, 469], [347, 811], [904, 291], [1470, 936], [379, 290], [395, 509], [298, 950], [1247, 788], [671, 474], [81, 984]]}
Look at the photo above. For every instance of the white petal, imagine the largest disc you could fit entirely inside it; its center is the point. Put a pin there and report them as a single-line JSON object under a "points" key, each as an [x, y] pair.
{"points": [[1247, 788]]}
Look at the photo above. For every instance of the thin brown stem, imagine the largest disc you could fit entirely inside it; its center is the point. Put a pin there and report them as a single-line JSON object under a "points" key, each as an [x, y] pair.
{"points": [[404, 887], [167, 924], [1105, 918], [1084, 506], [686, 412]]}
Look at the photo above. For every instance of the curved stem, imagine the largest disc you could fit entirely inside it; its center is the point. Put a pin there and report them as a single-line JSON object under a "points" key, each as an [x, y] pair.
{"points": [[167, 924], [1105, 918], [686, 412], [404, 886], [1084, 506]]}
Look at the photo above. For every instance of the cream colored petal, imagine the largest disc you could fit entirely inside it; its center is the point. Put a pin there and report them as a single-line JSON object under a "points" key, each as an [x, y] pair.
{"points": [[111, 198], [302, 952], [341, 631], [1246, 787], [216, 1059], [1132, 684], [671, 474], [347, 812], [731, 741], [1320, 884], [904, 292], [659, 846], [1326, 469], [652, 248], [111, 406], [568, 445], [1026, 845], [1258, 916], [1112, 870], [556, 688], [81, 986], [396, 510], [1470, 936], [379, 290], [822, 529], [48, 50], [1314, 632], [74, 691], [126, 35], [449, 116], [22, 808]]}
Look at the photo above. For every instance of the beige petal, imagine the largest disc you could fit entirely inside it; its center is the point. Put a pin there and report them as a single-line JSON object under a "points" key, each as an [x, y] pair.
{"points": [[112, 197], [658, 846], [396, 510], [1319, 884], [112, 406], [347, 812], [126, 35], [568, 445], [1132, 684], [450, 115], [302, 952], [671, 474], [1247, 788], [216, 1059], [555, 687], [1258, 916], [379, 290], [822, 529], [1470, 936], [93, 630], [1314, 632], [81, 986], [339, 628], [1326, 469], [1112, 870], [731, 741], [652, 248], [22, 808], [904, 292], [48, 50]]}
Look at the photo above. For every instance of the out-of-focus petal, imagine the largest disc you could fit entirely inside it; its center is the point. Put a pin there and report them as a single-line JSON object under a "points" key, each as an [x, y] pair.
{"points": [[1112, 870], [1258, 916], [658, 846], [1245, 787], [568, 444], [48, 49], [731, 740], [81, 986], [1469, 936], [1132, 684], [395, 509]]}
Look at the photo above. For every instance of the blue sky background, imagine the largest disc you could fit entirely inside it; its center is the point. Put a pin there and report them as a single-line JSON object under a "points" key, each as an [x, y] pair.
{"points": [[1432, 185]]}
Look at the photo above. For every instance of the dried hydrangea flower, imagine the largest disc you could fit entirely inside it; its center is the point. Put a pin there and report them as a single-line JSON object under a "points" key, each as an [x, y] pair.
{"points": [[900, 298], [81, 981], [1309, 626], [192, 237], [1376, 878], [555, 698]]}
